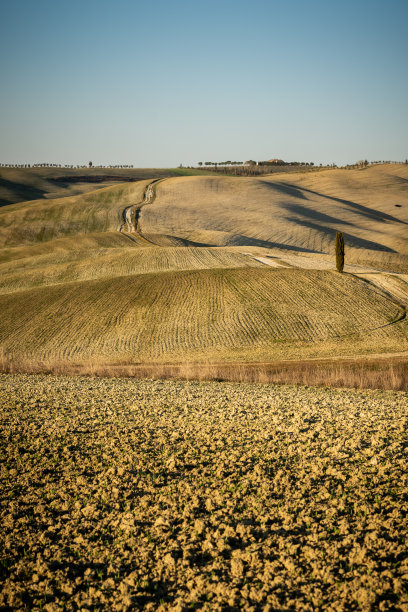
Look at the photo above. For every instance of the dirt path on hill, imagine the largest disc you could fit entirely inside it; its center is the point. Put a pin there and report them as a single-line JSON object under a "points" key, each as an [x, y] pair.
{"points": [[270, 261], [131, 214]]}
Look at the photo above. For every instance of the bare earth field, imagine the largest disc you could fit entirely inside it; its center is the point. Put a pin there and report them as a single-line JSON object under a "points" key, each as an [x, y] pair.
{"points": [[120, 494]]}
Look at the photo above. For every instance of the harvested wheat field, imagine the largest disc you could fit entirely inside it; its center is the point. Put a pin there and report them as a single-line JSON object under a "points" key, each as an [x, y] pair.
{"points": [[119, 494]]}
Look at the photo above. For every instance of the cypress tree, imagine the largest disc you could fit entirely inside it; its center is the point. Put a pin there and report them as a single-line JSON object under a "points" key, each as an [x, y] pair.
{"points": [[339, 251]]}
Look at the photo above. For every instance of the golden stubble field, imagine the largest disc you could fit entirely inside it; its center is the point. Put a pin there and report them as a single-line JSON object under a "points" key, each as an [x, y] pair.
{"points": [[119, 494]]}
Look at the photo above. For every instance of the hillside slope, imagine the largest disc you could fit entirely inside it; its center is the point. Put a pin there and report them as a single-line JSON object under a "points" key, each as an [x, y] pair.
{"points": [[51, 268], [300, 212], [43, 220], [22, 184], [202, 314]]}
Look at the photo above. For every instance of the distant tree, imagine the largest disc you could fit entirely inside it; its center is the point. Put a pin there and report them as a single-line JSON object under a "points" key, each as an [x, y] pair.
{"points": [[339, 251], [200, 163], [90, 164]]}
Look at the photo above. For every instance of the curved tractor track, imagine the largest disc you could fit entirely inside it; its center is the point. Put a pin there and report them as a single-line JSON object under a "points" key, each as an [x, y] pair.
{"points": [[131, 214]]}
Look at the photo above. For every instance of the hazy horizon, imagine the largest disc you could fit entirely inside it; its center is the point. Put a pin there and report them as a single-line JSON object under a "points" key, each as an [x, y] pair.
{"points": [[163, 84]]}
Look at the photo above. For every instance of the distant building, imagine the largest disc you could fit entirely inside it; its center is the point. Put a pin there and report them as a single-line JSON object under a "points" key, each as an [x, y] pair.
{"points": [[272, 162]]}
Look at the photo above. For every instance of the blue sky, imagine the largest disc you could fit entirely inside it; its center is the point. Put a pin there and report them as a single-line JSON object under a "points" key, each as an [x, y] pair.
{"points": [[161, 83]]}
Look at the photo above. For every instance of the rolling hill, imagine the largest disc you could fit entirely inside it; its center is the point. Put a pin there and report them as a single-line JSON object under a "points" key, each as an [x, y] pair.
{"points": [[21, 184], [199, 314], [208, 268], [301, 213]]}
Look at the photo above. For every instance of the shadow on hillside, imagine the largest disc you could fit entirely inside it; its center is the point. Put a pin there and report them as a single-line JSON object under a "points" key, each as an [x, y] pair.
{"points": [[18, 192], [285, 189], [360, 209], [241, 240], [170, 240], [234, 240], [349, 239], [310, 213]]}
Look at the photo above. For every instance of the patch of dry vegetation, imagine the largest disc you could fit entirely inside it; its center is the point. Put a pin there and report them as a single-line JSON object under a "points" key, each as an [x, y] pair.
{"points": [[382, 372], [119, 494], [44, 220], [22, 184]]}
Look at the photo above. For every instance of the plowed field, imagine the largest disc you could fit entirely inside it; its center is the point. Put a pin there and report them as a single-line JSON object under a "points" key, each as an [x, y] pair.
{"points": [[120, 495]]}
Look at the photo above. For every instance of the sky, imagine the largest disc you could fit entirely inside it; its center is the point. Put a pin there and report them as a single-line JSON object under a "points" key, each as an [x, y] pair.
{"points": [[160, 83]]}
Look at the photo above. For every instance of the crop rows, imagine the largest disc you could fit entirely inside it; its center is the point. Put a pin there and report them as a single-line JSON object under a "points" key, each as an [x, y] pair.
{"points": [[118, 494], [66, 266], [156, 316]]}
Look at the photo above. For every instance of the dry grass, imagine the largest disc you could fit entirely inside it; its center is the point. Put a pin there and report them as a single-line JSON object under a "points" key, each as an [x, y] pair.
{"points": [[20, 185], [207, 315], [60, 247], [120, 494], [383, 372], [45, 220]]}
